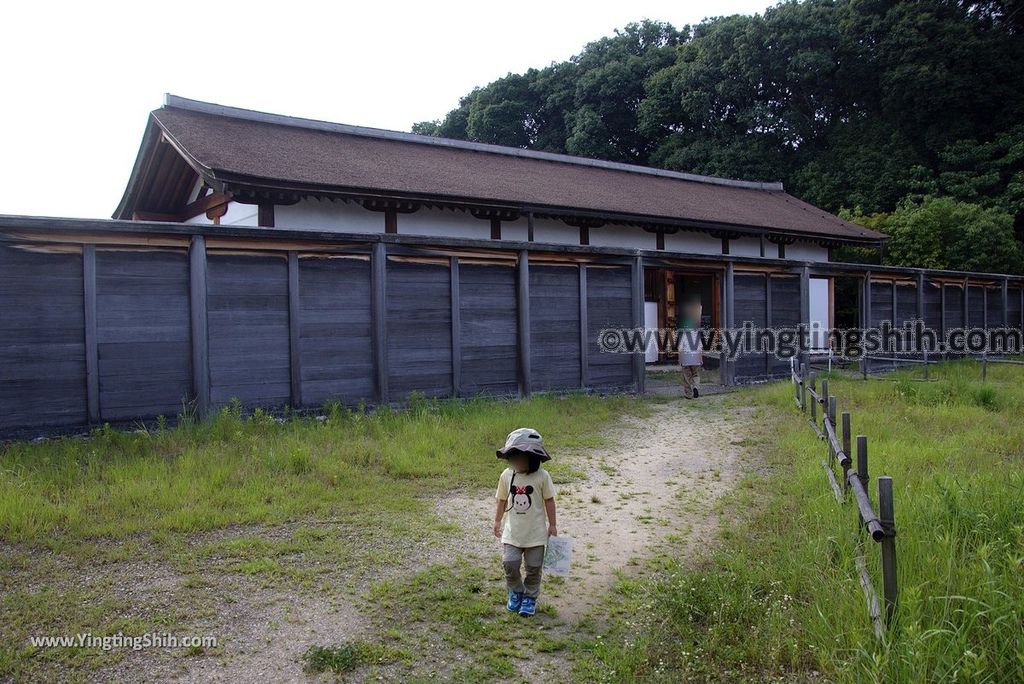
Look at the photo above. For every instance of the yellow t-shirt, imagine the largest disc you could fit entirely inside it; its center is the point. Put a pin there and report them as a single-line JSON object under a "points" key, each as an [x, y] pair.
{"points": [[526, 519]]}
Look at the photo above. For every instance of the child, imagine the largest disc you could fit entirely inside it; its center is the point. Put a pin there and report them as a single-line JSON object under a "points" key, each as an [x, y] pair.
{"points": [[528, 523]]}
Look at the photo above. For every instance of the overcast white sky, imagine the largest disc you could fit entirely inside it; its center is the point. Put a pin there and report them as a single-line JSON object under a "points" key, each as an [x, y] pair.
{"points": [[78, 79]]}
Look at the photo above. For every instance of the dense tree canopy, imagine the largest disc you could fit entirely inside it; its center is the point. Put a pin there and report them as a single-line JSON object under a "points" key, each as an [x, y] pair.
{"points": [[857, 104]]}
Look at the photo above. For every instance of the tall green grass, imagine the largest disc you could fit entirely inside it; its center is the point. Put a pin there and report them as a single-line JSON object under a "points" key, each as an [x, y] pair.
{"points": [[237, 469], [780, 597]]}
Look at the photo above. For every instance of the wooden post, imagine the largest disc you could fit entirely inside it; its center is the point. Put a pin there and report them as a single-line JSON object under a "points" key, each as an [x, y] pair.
{"points": [[832, 411], [824, 399], [199, 333], [456, 327], [814, 402], [846, 447], [862, 468], [584, 330], [921, 283], [895, 317], [1006, 302], [523, 298], [887, 518], [92, 359], [294, 346], [866, 314], [805, 311], [767, 316], [639, 357], [378, 307]]}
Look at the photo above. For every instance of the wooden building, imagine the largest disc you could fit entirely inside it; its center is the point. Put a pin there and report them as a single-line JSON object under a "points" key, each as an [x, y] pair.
{"points": [[283, 261]]}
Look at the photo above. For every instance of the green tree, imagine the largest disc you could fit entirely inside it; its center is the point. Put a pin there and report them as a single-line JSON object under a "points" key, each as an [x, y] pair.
{"points": [[943, 233]]}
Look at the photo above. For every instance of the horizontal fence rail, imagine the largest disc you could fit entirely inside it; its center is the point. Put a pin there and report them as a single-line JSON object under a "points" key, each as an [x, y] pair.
{"points": [[880, 526]]}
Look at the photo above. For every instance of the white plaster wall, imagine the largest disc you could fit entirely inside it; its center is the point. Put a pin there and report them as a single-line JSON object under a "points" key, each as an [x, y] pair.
{"points": [[747, 247], [806, 251], [819, 312], [441, 222], [342, 217], [518, 230], [630, 237], [692, 243], [555, 232]]}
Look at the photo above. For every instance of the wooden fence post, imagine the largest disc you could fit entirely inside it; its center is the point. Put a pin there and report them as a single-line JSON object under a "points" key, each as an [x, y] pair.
{"points": [[294, 342], [523, 300], [92, 359], [887, 518], [862, 469], [584, 330], [814, 402], [639, 357], [378, 308], [846, 448], [456, 316], [199, 332]]}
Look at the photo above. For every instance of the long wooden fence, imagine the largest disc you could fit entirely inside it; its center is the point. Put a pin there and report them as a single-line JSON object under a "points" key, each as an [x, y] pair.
{"points": [[852, 485]]}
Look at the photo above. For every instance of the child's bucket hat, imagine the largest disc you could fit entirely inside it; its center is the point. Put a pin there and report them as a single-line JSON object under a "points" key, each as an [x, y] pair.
{"points": [[525, 441]]}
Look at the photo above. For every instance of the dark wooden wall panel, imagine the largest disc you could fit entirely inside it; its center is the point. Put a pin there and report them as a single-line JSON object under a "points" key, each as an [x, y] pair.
{"points": [[750, 301], [609, 301], [933, 306], [785, 313], [994, 297], [248, 322], [554, 327], [953, 316], [488, 331], [143, 333], [976, 306], [1013, 307], [881, 303], [419, 329], [335, 342], [42, 339]]}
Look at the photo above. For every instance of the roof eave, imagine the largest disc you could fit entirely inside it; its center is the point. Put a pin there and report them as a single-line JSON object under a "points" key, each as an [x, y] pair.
{"points": [[269, 187]]}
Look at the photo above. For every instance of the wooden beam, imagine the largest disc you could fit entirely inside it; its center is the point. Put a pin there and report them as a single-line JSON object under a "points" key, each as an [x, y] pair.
{"points": [[495, 229], [204, 204], [523, 300], [584, 332], [199, 330], [294, 329], [529, 226], [92, 360], [659, 240], [584, 235], [456, 327], [378, 308], [390, 221], [639, 360], [725, 245], [729, 310], [782, 250], [767, 316], [805, 309]]}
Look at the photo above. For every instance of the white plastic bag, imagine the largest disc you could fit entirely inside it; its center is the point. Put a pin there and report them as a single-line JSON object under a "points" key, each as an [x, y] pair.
{"points": [[558, 556]]}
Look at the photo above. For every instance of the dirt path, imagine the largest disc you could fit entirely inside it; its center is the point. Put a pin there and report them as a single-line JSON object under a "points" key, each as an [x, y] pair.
{"points": [[659, 475]]}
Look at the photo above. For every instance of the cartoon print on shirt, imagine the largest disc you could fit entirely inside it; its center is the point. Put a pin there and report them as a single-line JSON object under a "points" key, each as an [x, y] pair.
{"points": [[521, 501]]}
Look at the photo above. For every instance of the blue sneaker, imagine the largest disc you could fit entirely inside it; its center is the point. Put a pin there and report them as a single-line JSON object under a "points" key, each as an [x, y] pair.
{"points": [[528, 607], [515, 600]]}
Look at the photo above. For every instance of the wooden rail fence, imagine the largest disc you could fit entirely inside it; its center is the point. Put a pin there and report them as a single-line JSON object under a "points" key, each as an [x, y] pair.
{"points": [[880, 526]]}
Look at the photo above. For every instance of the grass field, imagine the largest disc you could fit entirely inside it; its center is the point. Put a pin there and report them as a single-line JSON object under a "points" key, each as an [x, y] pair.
{"points": [[304, 499], [780, 598], [315, 508]]}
